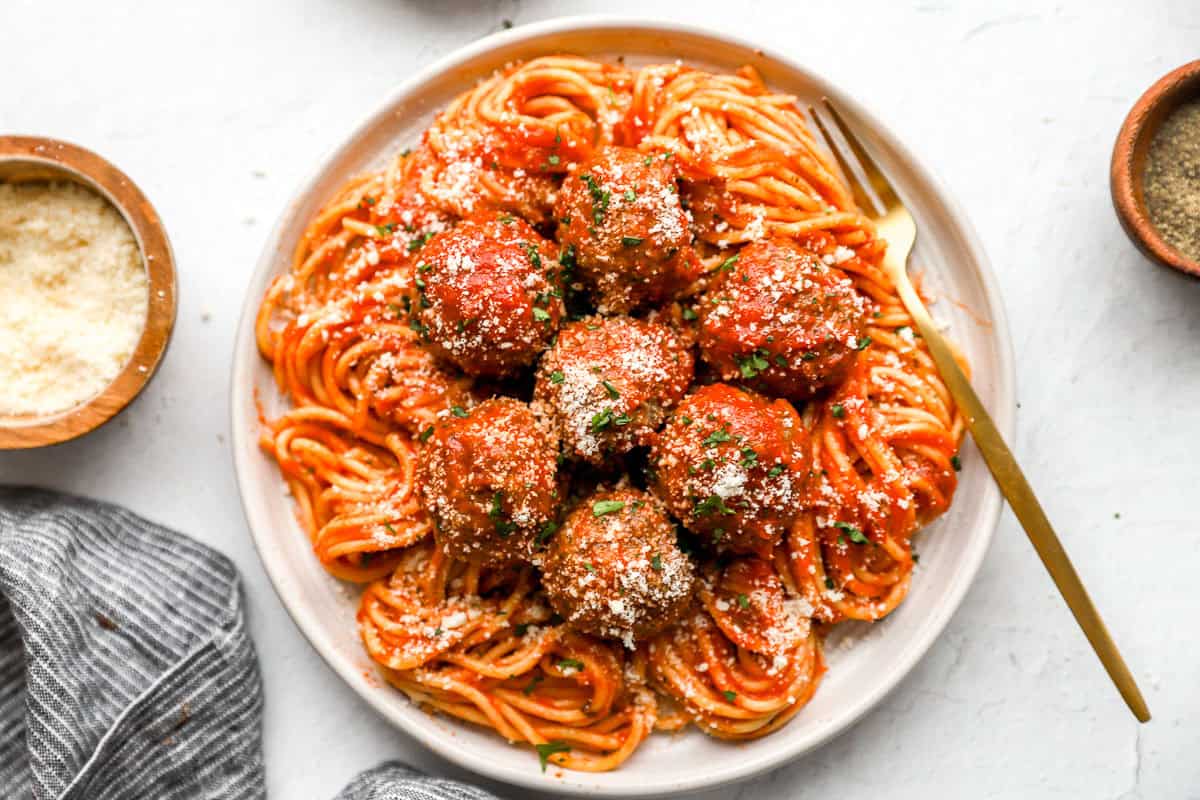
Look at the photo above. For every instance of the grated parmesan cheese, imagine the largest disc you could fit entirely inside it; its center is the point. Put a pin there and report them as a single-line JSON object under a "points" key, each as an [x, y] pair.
{"points": [[73, 296]]}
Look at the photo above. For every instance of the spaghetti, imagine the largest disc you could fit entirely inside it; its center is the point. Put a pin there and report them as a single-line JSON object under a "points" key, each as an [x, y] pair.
{"points": [[481, 643]]}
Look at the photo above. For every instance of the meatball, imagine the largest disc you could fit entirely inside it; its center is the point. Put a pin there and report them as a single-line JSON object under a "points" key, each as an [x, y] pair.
{"points": [[615, 570], [780, 320], [488, 298], [609, 382], [489, 479], [733, 466], [619, 215]]}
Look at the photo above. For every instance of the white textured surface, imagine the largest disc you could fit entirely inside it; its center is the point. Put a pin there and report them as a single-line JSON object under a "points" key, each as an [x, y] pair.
{"points": [[218, 110]]}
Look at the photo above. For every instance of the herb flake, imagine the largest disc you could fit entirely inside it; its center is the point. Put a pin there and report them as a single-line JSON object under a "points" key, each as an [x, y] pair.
{"points": [[545, 751], [602, 507]]}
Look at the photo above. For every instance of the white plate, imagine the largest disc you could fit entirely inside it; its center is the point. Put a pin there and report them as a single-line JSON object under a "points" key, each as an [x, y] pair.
{"points": [[859, 676]]}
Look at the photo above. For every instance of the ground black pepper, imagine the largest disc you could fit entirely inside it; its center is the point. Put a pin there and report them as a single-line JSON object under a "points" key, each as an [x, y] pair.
{"points": [[1172, 181]]}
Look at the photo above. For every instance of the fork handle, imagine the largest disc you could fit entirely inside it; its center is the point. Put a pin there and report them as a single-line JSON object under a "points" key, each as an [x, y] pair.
{"points": [[1021, 499]]}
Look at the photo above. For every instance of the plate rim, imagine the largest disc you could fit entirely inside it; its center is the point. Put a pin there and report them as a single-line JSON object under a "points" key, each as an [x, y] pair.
{"points": [[443, 744]]}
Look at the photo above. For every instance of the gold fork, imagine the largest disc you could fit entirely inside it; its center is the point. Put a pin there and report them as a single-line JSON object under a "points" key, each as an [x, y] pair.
{"points": [[895, 224]]}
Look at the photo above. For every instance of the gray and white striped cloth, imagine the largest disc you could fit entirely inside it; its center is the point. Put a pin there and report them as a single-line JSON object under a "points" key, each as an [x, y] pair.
{"points": [[126, 671]]}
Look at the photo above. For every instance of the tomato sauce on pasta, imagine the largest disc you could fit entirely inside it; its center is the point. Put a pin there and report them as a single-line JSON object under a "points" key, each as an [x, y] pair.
{"points": [[594, 193]]}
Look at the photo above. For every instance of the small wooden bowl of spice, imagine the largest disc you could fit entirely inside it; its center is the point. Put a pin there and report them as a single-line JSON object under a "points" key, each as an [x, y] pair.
{"points": [[1156, 171], [87, 291]]}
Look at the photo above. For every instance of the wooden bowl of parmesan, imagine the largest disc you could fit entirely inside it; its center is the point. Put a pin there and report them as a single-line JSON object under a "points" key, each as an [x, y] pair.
{"points": [[87, 291]]}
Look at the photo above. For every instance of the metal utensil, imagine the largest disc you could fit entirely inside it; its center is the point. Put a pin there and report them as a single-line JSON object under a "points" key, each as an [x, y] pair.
{"points": [[876, 197]]}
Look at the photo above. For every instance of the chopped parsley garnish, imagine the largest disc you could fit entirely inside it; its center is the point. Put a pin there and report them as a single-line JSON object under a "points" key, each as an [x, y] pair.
{"points": [[855, 534], [503, 526], [458, 411], [719, 435], [600, 198], [388, 527], [545, 533], [507, 219], [838, 410], [521, 629], [743, 601], [557, 376], [647, 161], [829, 583], [588, 567], [570, 663], [606, 417], [689, 314], [567, 258], [749, 457], [630, 241], [630, 195], [864, 343], [656, 563], [729, 695], [385, 230], [425, 434], [395, 309], [553, 160], [776, 471], [956, 462], [602, 507], [529, 690], [727, 265], [535, 257], [753, 364], [541, 314], [612, 390], [685, 420], [548, 749], [780, 361], [714, 502], [419, 242]]}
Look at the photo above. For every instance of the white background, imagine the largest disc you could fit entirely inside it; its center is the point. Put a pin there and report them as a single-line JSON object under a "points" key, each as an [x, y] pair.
{"points": [[219, 109]]}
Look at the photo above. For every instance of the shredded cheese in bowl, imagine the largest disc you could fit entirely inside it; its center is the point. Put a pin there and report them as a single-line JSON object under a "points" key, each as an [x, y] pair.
{"points": [[73, 296]]}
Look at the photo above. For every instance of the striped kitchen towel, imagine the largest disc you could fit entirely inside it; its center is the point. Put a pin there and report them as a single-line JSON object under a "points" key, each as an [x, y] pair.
{"points": [[126, 671]]}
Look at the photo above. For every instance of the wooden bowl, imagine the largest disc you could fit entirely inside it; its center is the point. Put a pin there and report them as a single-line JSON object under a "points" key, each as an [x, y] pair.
{"points": [[28, 158], [1129, 163]]}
